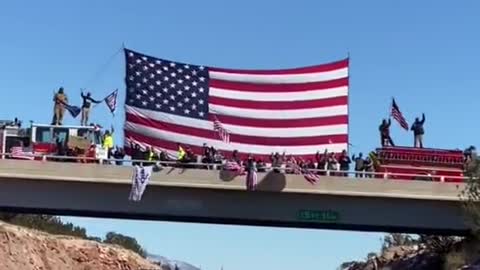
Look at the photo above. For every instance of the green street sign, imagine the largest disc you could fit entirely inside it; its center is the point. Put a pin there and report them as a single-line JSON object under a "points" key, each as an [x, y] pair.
{"points": [[318, 215]]}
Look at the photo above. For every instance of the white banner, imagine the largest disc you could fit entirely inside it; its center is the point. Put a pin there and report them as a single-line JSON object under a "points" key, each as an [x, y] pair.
{"points": [[140, 179]]}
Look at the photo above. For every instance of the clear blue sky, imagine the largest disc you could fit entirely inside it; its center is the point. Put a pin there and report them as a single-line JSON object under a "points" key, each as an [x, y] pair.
{"points": [[425, 53]]}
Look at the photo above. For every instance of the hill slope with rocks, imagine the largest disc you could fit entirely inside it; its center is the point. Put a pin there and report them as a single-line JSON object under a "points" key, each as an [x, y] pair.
{"points": [[28, 249], [432, 253]]}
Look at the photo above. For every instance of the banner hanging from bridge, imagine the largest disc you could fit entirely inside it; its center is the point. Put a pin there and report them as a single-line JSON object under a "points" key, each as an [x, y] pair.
{"points": [[141, 177]]}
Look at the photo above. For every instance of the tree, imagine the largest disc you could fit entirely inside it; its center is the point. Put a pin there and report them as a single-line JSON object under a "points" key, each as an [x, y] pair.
{"points": [[126, 242], [54, 225], [471, 196]]}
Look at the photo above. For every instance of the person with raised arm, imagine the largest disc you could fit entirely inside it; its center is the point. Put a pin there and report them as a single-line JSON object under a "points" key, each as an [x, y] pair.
{"points": [[384, 129], [418, 131], [87, 103], [359, 165]]}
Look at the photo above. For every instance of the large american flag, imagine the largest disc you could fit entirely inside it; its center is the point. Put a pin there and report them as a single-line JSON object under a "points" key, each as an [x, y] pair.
{"points": [[298, 111]]}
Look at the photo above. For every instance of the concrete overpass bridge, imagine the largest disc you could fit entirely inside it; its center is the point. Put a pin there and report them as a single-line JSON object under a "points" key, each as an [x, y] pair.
{"points": [[208, 196]]}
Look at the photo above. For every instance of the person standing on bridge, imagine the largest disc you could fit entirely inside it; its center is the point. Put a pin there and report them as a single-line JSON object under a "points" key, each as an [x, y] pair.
{"points": [[418, 131], [321, 162], [384, 129], [108, 142], [60, 100], [251, 168], [87, 103], [359, 165], [277, 161], [344, 161]]}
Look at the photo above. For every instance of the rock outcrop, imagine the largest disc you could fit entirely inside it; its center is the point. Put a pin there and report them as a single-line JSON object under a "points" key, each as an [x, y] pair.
{"points": [[26, 249], [458, 255]]}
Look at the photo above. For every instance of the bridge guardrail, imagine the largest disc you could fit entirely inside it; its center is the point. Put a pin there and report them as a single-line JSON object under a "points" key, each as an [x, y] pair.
{"points": [[216, 166]]}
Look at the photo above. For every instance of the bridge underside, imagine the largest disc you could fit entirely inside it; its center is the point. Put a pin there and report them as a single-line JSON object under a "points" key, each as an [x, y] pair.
{"points": [[230, 206]]}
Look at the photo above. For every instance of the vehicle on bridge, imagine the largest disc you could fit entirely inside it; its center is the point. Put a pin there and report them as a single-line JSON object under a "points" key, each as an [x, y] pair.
{"points": [[44, 139], [428, 164], [12, 135]]}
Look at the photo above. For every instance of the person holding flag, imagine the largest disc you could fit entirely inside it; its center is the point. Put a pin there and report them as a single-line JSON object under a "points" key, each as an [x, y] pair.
{"points": [[87, 103], [384, 129], [60, 105], [59, 99]]}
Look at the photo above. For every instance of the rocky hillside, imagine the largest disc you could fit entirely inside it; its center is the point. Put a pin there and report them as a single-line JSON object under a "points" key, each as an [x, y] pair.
{"points": [[168, 264], [441, 254], [26, 249]]}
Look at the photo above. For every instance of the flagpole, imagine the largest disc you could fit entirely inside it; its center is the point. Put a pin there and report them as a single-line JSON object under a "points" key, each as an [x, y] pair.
{"points": [[389, 110]]}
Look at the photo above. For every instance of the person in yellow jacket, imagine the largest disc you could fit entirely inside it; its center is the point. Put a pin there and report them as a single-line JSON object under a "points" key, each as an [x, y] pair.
{"points": [[181, 153], [108, 142]]}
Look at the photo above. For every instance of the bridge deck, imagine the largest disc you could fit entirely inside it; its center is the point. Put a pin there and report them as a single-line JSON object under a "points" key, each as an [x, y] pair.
{"points": [[193, 195], [214, 179]]}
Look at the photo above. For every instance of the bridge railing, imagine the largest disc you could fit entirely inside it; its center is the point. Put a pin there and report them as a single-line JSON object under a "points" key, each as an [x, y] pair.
{"points": [[218, 166]]}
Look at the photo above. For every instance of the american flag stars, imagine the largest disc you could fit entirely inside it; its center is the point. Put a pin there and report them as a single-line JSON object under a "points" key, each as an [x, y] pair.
{"points": [[156, 83]]}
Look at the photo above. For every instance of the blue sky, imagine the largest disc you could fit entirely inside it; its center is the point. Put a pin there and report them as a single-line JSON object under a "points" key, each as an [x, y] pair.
{"points": [[425, 53]]}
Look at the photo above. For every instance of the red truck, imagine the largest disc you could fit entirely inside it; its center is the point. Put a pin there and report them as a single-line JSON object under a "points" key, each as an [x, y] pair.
{"points": [[420, 164]]}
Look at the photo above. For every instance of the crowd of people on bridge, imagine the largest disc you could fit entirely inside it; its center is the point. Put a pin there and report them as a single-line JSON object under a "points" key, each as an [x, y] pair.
{"points": [[211, 158], [335, 164]]}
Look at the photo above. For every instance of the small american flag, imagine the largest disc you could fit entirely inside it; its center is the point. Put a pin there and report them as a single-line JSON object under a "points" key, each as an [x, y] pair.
{"points": [[221, 131], [18, 153], [311, 177], [233, 167], [111, 101], [397, 115]]}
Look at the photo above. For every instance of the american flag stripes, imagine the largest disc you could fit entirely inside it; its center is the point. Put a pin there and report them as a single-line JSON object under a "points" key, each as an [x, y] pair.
{"points": [[299, 111], [111, 101], [398, 116]]}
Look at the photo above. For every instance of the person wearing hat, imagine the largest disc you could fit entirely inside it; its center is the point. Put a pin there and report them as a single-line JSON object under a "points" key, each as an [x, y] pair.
{"points": [[60, 100]]}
